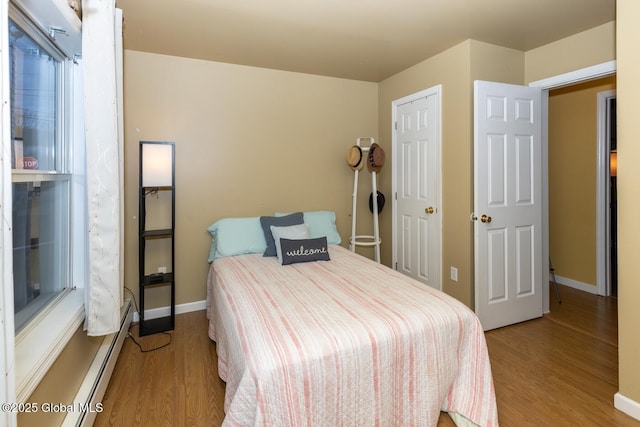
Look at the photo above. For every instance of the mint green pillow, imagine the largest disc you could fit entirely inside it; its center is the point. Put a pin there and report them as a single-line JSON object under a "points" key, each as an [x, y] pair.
{"points": [[236, 236]]}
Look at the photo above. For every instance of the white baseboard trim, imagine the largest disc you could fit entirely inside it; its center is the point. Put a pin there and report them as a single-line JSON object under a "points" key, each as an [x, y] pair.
{"points": [[587, 287], [188, 307], [88, 401], [626, 405]]}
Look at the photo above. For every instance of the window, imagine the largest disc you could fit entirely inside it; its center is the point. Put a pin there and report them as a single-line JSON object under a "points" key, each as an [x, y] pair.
{"points": [[41, 175]]}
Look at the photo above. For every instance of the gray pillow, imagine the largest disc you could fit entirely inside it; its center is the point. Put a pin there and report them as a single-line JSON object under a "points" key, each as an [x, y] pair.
{"points": [[304, 250], [278, 221]]}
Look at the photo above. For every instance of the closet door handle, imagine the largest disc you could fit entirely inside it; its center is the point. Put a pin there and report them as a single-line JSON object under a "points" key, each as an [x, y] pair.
{"points": [[429, 210]]}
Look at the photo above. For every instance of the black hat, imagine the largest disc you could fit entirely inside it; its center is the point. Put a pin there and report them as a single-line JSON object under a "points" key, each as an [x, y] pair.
{"points": [[380, 198]]}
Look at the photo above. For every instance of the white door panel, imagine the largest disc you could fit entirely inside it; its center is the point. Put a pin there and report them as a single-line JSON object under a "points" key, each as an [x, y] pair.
{"points": [[417, 182], [507, 203]]}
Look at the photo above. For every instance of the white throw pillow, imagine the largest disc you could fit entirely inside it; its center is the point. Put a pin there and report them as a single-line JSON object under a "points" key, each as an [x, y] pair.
{"points": [[294, 232]]}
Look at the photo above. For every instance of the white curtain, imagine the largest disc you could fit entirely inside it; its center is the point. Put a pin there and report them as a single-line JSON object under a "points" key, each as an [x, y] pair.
{"points": [[101, 61]]}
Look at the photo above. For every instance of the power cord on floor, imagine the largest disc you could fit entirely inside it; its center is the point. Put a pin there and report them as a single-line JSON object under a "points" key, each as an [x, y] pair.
{"points": [[142, 350], [129, 335]]}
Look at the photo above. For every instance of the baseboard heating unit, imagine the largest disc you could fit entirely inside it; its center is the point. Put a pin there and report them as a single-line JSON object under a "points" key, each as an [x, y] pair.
{"points": [[95, 383]]}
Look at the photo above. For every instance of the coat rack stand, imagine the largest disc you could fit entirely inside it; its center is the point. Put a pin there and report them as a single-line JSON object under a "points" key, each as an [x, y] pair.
{"points": [[365, 240]]}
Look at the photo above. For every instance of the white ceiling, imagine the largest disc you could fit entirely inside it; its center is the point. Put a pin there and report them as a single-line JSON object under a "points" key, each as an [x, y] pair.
{"points": [[355, 39]]}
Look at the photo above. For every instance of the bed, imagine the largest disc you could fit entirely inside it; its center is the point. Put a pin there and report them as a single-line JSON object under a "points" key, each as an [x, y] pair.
{"points": [[341, 342]]}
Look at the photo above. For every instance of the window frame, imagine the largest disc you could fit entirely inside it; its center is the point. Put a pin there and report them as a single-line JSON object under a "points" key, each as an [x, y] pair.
{"points": [[59, 172], [39, 343]]}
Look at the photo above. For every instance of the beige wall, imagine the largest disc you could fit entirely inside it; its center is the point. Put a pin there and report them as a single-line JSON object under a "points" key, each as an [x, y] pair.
{"points": [[573, 178], [249, 142], [581, 50], [628, 61], [496, 63]]}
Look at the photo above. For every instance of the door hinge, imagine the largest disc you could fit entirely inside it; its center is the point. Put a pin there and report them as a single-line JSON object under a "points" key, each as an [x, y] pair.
{"points": [[396, 266], [395, 125], [396, 195]]}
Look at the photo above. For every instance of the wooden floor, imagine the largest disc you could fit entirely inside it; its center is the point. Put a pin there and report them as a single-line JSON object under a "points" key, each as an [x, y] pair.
{"points": [[559, 370]]}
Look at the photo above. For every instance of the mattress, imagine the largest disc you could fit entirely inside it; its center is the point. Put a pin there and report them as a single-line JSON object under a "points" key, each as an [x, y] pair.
{"points": [[343, 342]]}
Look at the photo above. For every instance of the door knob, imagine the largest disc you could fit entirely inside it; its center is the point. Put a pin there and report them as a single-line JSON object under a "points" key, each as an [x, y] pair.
{"points": [[485, 218], [429, 210]]}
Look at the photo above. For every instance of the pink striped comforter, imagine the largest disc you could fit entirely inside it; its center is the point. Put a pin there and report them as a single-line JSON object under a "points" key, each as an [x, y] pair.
{"points": [[346, 342]]}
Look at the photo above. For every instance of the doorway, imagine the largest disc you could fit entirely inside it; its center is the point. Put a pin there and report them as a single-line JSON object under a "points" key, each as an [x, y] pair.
{"points": [[578, 169], [570, 173], [604, 69]]}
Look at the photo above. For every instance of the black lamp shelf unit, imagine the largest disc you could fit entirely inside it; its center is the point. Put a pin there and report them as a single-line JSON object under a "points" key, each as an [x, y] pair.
{"points": [[148, 188]]}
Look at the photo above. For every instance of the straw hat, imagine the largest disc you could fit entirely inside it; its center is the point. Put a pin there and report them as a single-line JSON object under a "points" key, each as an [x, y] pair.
{"points": [[375, 160], [354, 158]]}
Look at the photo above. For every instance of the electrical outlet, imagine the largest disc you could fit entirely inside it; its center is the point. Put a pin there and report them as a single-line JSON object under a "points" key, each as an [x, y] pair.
{"points": [[162, 270], [454, 274]]}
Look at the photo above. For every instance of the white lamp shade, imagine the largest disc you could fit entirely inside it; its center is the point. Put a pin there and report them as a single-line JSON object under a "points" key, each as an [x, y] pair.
{"points": [[157, 165]]}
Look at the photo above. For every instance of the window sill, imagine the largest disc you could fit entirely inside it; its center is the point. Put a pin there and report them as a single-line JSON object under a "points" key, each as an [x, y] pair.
{"points": [[40, 344]]}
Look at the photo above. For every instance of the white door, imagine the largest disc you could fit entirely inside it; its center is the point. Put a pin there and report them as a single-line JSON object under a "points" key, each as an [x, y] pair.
{"points": [[416, 165], [507, 203]]}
